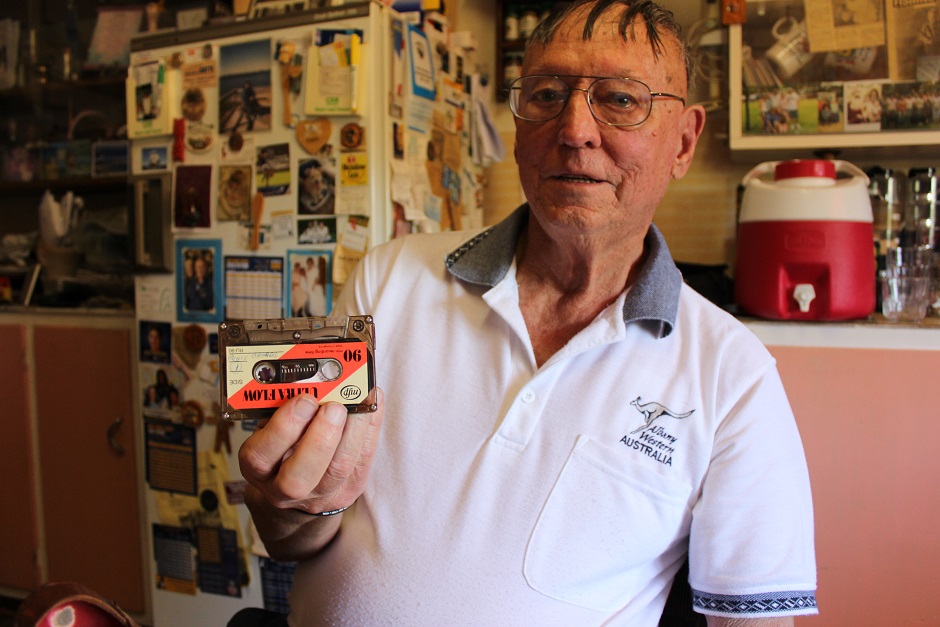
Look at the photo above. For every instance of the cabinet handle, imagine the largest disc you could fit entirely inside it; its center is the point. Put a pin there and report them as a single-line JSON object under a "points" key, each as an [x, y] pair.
{"points": [[112, 431]]}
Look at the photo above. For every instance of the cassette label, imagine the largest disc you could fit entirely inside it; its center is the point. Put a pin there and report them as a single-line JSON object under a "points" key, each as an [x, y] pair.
{"points": [[267, 362]]}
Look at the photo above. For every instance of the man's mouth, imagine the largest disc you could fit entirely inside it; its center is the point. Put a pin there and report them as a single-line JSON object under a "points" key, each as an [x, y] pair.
{"points": [[577, 178]]}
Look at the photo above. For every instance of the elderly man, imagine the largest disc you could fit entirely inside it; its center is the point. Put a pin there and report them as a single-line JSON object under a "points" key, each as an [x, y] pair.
{"points": [[564, 422]]}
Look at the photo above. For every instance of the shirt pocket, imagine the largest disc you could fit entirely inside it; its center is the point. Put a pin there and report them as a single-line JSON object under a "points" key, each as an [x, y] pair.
{"points": [[606, 521]]}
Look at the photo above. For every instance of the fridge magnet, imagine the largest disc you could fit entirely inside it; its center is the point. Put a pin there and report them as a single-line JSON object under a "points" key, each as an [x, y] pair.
{"points": [[191, 196], [310, 290], [253, 287], [234, 195], [147, 113], [290, 61], [199, 284], [317, 183], [352, 136], [313, 134], [272, 169], [245, 86], [193, 104], [109, 158], [316, 230], [160, 386], [238, 149], [332, 87], [175, 562], [155, 341], [150, 156]]}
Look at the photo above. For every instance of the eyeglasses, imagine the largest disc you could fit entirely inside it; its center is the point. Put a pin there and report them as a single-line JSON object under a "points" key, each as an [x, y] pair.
{"points": [[613, 101]]}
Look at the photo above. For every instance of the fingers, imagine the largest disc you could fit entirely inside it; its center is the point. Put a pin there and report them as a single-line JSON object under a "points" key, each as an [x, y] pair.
{"points": [[316, 452], [263, 452], [351, 457], [310, 452]]}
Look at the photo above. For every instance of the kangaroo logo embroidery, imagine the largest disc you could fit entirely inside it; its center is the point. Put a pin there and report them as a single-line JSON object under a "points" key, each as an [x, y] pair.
{"points": [[652, 410]]}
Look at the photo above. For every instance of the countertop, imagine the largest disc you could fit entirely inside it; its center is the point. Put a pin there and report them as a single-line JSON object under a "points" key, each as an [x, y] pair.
{"points": [[873, 332]]}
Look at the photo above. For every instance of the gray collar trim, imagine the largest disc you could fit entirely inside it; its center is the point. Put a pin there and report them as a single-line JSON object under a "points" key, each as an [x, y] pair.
{"points": [[653, 299]]}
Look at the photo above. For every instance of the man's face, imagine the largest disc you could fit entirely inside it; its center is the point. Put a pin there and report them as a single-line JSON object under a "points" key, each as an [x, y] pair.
{"points": [[582, 176], [153, 336]]}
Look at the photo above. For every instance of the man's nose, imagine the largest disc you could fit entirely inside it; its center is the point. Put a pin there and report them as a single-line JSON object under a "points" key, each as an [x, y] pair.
{"points": [[578, 124]]}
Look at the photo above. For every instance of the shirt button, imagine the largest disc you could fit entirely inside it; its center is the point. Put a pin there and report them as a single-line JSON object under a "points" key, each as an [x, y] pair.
{"points": [[528, 396]]}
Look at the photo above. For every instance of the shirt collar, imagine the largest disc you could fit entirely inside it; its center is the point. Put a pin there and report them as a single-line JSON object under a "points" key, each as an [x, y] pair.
{"points": [[653, 299]]}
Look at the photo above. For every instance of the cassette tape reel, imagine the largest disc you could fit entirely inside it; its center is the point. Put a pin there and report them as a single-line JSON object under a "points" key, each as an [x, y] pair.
{"points": [[266, 362]]}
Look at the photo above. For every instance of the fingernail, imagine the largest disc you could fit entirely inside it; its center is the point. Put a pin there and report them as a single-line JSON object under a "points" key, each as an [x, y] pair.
{"points": [[304, 408], [334, 413]]}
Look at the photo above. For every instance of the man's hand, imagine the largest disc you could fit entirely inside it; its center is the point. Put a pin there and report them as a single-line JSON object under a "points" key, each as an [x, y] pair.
{"points": [[307, 459]]}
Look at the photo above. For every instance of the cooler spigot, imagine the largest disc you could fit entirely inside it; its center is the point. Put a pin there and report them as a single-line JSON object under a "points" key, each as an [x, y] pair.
{"points": [[803, 294]]}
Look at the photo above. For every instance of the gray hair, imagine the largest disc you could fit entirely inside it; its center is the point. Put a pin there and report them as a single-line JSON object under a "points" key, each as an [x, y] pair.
{"points": [[659, 21]]}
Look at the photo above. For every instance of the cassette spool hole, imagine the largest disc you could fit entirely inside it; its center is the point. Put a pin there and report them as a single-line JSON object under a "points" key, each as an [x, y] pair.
{"points": [[264, 372], [330, 369]]}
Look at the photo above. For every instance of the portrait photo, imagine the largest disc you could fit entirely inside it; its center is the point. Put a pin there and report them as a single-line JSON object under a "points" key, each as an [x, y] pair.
{"points": [[199, 280]]}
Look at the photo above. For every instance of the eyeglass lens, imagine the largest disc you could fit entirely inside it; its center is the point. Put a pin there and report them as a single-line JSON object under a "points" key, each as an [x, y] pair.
{"points": [[616, 101]]}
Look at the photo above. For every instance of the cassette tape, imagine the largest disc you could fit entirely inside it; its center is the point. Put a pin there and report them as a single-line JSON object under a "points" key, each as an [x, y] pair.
{"points": [[266, 362]]}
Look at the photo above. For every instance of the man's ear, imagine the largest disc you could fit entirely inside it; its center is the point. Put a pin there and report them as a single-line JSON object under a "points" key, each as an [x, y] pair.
{"points": [[691, 124]]}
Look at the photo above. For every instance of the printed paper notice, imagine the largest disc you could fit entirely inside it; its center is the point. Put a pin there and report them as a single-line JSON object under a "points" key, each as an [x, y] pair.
{"points": [[844, 25]]}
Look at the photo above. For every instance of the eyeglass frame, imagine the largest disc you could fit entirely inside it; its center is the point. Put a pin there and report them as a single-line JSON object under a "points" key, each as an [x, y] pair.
{"points": [[587, 96]]}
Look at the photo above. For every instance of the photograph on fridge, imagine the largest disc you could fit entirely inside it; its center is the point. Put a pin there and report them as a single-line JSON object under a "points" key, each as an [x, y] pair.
{"points": [[192, 196], [161, 385], [234, 194], [320, 230], [317, 183], [245, 86], [155, 341], [309, 287], [272, 169], [199, 284]]}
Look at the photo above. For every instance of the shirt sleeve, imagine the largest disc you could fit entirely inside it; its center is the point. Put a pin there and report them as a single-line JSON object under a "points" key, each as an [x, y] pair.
{"points": [[751, 548]]}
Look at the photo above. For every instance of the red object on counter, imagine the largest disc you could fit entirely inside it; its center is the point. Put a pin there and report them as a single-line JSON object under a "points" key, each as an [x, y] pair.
{"points": [[805, 243]]}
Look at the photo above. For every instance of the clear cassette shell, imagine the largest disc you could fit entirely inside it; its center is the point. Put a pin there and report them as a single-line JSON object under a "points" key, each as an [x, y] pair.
{"points": [[266, 362]]}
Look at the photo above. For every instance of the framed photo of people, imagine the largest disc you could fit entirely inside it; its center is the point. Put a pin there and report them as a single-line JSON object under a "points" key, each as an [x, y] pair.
{"points": [[199, 280], [309, 285]]}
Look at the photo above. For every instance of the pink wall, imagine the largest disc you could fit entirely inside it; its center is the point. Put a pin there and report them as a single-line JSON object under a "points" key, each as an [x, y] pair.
{"points": [[870, 423]]}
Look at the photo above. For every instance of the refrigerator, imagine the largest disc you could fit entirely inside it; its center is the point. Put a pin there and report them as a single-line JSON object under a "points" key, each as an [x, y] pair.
{"points": [[267, 156]]}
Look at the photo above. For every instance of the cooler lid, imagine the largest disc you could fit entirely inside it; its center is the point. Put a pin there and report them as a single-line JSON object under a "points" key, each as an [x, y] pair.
{"points": [[800, 168]]}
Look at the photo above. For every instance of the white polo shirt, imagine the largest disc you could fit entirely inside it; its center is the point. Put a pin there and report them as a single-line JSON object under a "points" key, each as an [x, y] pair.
{"points": [[504, 493]]}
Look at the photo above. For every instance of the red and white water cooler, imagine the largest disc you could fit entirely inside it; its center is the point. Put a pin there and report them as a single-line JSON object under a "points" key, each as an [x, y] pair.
{"points": [[805, 242]]}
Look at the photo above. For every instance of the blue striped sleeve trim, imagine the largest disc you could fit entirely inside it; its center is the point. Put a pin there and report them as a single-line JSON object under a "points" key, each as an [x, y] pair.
{"points": [[756, 605]]}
